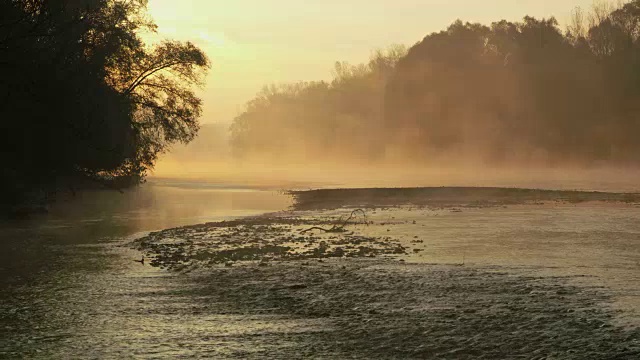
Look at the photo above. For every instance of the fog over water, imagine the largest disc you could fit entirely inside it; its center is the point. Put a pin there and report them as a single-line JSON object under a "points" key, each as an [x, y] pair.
{"points": [[213, 254], [193, 164], [528, 103]]}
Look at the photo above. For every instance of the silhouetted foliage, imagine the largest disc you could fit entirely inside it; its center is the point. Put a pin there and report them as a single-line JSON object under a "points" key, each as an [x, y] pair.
{"points": [[83, 97]]}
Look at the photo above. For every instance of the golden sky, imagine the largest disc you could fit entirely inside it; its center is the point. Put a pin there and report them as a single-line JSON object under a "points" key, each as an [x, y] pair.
{"points": [[256, 42]]}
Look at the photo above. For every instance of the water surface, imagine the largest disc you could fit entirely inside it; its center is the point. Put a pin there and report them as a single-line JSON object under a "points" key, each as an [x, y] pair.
{"points": [[70, 289]]}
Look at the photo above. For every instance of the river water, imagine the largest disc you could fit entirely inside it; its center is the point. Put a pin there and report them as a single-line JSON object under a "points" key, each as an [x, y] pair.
{"points": [[70, 288]]}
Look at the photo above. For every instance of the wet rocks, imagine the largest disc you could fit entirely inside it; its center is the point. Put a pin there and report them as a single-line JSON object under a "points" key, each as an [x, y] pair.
{"points": [[259, 239]]}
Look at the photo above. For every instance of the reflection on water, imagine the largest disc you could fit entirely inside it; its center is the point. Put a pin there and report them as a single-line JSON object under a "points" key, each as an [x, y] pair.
{"points": [[156, 206], [70, 290], [68, 287]]}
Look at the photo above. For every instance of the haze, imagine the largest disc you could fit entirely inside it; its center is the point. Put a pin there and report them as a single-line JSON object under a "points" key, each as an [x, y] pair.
{"points": [[296, 45], [253, 43]]}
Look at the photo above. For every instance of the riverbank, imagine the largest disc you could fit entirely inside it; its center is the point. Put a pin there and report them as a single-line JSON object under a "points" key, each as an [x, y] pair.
{"points": [[450, 197]]}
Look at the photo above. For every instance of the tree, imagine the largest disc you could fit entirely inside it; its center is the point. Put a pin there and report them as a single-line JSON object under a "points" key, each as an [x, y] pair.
{"points": [[526, 92], [85, 98], [164, 108], [319, 121]]}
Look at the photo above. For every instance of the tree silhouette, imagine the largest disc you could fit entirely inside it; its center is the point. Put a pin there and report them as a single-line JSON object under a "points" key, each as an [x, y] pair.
{"points": [[84, 98]]}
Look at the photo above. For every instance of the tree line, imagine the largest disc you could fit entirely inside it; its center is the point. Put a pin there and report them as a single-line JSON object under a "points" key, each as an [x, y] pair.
{"points": [[84, 100], [318, 120], [526, 92]]}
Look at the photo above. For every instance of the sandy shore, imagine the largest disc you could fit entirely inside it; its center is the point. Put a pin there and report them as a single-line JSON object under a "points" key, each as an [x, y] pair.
{"points": [[372, 288]]}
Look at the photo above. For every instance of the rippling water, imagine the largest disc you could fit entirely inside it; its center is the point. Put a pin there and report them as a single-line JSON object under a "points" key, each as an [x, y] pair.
{"points": [[598, 241], [69, 289]]}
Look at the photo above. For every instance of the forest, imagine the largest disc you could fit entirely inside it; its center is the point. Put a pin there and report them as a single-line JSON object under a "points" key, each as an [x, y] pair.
{"points": [[85, 101], [527, 92]]}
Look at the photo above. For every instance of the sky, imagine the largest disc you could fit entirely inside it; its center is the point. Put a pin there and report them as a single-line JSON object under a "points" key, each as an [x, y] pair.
{"points": [[252, 43]]}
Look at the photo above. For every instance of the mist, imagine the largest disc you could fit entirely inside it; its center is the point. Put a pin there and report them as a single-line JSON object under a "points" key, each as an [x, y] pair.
{"points": [[424, 203], [506, 104], [210, 161]]}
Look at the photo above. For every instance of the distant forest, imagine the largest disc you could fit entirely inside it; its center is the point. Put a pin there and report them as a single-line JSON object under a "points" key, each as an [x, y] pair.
{"points": [[526, 92], [83, 100]]}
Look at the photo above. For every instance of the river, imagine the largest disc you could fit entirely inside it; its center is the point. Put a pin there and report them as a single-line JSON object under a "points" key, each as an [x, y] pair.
{"points": [[71, 288]]}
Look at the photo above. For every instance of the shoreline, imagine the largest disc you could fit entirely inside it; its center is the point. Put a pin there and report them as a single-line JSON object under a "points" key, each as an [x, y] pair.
{"points": [[448, 196]]}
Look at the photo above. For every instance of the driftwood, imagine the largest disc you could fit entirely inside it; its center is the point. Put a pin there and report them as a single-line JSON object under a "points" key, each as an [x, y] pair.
{"points": [[338, 227]]}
